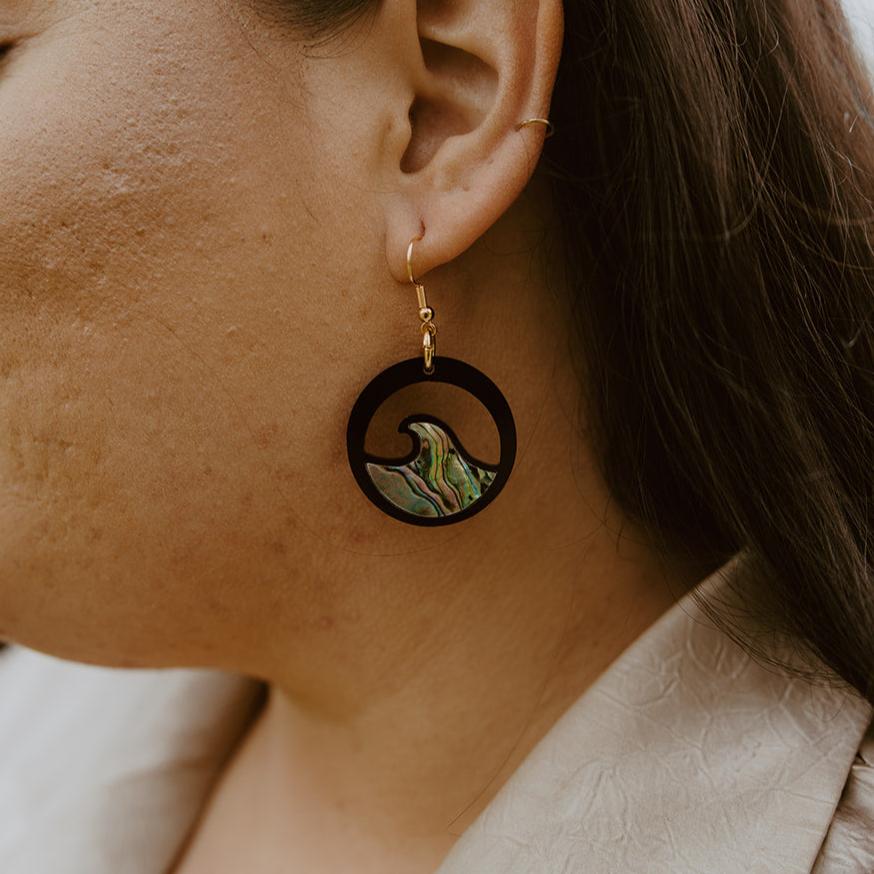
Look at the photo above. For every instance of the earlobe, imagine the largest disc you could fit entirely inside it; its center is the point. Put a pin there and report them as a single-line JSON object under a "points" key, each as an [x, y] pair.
{"points": [[487, 67]]}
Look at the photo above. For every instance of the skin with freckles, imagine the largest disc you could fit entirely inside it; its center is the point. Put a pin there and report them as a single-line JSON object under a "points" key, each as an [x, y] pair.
{"points": [[203, 229]]}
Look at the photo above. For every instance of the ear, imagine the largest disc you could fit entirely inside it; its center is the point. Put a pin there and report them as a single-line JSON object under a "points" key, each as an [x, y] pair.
{"points": [[464, 74]]}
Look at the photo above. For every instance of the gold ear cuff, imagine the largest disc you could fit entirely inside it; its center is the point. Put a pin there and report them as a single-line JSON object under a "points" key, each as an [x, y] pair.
{"points": [[550, 127]]}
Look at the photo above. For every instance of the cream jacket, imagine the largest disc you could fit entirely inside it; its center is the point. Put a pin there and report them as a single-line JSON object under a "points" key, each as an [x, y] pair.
{"points": [[684, 756]]}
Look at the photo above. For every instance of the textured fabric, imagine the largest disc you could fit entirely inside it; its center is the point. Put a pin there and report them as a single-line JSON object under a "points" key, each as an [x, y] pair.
{"points": [[684, 756], [849, 845]]}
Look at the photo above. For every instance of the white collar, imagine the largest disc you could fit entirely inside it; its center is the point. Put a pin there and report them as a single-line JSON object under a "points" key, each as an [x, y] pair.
{"points": [[685, 755]]}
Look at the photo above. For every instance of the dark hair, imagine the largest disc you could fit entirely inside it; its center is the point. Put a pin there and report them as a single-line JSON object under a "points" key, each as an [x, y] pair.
{"points": [[713, 181]]}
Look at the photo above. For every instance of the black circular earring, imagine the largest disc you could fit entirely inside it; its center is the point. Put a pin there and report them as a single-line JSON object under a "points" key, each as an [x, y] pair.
{"points": [[439, 482]]}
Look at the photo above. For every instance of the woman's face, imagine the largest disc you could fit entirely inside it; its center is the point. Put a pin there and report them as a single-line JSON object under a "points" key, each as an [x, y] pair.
{"points": [[179, 335], [194, 290]]}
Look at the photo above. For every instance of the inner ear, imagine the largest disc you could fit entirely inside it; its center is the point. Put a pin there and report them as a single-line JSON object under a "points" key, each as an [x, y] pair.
{"points": [[463, 88]]}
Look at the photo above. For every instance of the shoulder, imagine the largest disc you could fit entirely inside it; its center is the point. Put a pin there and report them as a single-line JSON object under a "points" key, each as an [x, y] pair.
{"points": [[848, 847]]}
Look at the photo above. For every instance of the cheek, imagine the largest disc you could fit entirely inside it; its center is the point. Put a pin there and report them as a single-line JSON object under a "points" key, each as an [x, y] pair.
{"points": [[142, 506], [108, 149], [148, 425]]}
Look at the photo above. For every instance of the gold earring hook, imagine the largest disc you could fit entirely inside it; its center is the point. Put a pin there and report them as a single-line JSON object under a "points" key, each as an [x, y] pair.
{"points": [[410, 258], [426, 314]]}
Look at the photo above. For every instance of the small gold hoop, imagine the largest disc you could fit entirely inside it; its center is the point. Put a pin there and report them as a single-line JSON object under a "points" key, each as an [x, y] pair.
{"points": [[428, 328], [410, 259], [550, 127]]}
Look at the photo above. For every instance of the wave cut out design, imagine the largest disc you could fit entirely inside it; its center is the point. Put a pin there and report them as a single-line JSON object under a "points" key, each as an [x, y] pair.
{"points": [[441, 479]]}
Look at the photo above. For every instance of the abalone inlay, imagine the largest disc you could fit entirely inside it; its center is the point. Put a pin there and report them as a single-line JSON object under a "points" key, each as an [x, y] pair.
{"points": [[439, 481]]}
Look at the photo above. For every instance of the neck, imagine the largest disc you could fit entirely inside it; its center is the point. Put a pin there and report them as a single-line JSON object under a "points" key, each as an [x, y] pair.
{"points": [[395, 718]]}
